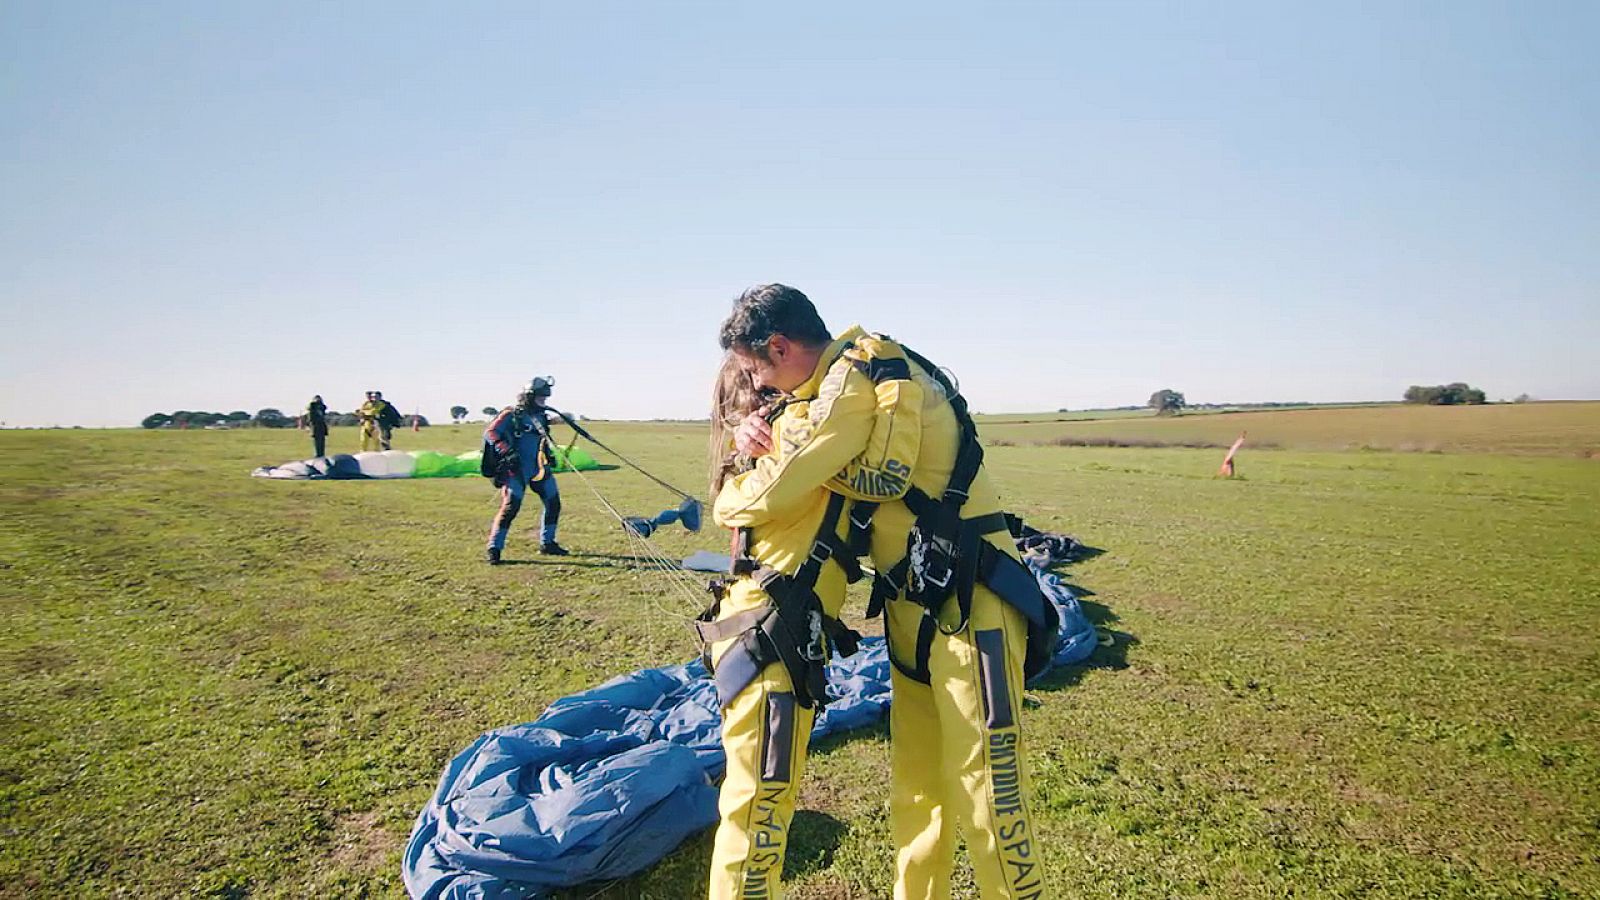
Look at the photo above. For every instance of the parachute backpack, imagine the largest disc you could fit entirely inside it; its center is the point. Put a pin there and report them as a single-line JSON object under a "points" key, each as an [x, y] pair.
{"points": [[946, 555], [499, 467]]}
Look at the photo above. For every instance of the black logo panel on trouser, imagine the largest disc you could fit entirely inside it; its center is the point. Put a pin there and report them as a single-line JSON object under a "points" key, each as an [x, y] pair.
{"points": [[996, 684], [1013, 831], [778, 763]]}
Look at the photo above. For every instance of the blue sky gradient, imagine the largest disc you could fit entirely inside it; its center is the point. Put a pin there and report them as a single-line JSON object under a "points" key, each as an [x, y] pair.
{"points": [[233, 206]]}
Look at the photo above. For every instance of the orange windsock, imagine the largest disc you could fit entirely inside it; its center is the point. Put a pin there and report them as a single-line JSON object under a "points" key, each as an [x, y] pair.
{"points": [[1227, 461]]}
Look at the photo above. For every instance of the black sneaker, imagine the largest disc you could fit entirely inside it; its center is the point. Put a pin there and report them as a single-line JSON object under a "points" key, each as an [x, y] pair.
{"points": [[552, 548], [492, 556]]}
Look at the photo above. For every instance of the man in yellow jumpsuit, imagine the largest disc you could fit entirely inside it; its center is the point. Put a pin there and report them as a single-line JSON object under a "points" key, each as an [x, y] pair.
{"points": [[958, 751], [766, 715], [368, 413]]}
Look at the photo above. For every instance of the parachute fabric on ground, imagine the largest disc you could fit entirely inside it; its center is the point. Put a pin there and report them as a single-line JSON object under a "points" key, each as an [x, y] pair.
{"points": [[608, 781], [405, 464], [1076, 637], [602, 785]]}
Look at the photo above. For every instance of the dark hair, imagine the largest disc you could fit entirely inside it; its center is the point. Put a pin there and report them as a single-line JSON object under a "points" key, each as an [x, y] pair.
{"points": [[769, 309]]}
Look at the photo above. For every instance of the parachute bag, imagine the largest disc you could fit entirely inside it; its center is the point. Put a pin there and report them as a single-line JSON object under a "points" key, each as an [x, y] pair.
{"points": [[496, 466]]}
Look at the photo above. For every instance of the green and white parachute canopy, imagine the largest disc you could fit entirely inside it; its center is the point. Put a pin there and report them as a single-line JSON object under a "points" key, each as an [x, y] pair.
{"points": [[405, 464]]}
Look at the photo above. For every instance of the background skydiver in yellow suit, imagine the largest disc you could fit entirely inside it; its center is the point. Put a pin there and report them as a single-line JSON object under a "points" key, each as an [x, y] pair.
{"points": [[369, 414], [881, 427]]}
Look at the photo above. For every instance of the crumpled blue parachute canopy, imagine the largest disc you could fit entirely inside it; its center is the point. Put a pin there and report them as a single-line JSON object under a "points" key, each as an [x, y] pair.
{"points": [[608, 781], [602, 785]]}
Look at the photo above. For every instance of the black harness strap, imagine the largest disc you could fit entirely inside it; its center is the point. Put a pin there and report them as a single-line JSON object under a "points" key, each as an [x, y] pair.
{"points": [[793, 629], [949, 555]]}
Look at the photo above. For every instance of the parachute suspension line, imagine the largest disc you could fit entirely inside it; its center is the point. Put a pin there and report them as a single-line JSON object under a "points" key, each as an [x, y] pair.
{"points": [[685, 588], [631, 464]]}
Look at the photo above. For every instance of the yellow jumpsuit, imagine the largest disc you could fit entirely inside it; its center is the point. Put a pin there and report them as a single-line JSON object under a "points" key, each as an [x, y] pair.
{"points": [[957, 753], [369, 413], [765, 733]]}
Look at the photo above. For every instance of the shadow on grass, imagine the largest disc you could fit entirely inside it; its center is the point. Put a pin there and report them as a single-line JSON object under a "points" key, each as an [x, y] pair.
{"points": [[594, 561], [1112, 653], [813, 839]]}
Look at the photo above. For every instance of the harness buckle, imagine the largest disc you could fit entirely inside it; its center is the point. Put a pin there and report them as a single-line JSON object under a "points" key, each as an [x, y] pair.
{"points": [[816, 649], [818, 547], [931, 562]]}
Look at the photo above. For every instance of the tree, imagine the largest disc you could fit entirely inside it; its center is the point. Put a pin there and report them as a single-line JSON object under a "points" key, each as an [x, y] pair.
{"points": [[1456, 393], [457, 413], [238, 415], [1166, 402], [272, 418], [156, 420], [490, 411]]}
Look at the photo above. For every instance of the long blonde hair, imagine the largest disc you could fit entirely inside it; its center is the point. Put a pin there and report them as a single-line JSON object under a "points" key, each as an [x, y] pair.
{"points": [[733, 397]]}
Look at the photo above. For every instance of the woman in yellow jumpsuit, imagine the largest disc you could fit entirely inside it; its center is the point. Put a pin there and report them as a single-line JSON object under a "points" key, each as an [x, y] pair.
{"points": [[765, 729]]}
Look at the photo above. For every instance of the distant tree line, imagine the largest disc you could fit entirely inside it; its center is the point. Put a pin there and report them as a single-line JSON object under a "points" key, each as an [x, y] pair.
{"points": [[1456, 394], [266, 418]]}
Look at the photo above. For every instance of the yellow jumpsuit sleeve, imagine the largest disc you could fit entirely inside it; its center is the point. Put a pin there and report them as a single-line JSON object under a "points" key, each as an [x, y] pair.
{"points": [[817, 442], [882, 471]]}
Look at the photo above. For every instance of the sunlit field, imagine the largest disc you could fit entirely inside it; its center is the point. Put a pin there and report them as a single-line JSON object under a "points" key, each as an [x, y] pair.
{"points": [[1355, 670]]}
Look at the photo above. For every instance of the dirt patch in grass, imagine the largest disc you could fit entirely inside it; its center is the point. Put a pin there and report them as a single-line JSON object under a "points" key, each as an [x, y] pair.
{"points": [[361, 843], [39, 659], [1162, 602], [337, 574]]}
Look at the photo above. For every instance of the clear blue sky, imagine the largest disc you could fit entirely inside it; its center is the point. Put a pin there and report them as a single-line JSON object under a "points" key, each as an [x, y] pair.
{"points": [[232, 206]]}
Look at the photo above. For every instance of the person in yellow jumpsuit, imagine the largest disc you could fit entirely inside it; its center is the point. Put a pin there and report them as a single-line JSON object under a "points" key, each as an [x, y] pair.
{"points": [[766, 722], [368, 413], [957, 754]]}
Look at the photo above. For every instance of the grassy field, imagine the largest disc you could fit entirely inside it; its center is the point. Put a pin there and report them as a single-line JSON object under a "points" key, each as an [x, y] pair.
{"points": [[1095, 415], [1348, 674], [1555, 429]]}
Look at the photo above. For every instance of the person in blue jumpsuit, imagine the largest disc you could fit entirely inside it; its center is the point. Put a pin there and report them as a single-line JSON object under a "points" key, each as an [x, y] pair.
{"points": [[520, 435]]}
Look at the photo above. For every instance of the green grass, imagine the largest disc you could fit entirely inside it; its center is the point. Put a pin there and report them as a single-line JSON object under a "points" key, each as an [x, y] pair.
{"points": [[1553, 429], [1096, 415], [1342, 674]]}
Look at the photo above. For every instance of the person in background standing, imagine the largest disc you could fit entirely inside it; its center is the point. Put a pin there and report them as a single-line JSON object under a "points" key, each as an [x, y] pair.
{"points": [[316, 419]]}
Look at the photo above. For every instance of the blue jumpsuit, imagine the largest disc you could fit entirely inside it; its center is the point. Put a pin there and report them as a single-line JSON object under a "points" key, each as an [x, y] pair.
{"points": [[527, 434]]}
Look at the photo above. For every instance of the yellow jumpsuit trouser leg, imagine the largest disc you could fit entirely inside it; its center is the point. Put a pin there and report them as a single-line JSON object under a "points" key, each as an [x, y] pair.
{"points": [[957, 757], [369, 438], [764, 734]]}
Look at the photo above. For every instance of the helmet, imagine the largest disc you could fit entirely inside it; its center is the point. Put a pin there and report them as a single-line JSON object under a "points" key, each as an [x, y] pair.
{"points": [[534, 390]]}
